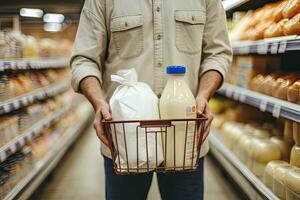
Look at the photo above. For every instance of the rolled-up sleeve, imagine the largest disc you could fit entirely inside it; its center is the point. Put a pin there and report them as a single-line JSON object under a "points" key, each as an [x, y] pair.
{"points": [[90, 44], [216, 49]]}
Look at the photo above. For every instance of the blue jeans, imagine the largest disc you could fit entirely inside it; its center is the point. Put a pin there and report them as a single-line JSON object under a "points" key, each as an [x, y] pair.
{"points": [[172, 186]]}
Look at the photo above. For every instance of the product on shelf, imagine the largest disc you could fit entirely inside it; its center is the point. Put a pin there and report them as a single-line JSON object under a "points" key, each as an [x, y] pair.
{"points": [[8, 129], [295, 156], [245, 68], [13, 169], [279, 176], [293, 184], [272, 20], [285, 147], [261, 152], [269, 172], [288, 130], [20, 83], [293, 93], [296, 133], [15, 45], [291, 8]]}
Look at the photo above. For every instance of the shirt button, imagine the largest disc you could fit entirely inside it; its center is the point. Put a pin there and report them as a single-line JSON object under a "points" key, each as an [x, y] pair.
{"points": [[157, 9], [158, 37], [159, 95]]}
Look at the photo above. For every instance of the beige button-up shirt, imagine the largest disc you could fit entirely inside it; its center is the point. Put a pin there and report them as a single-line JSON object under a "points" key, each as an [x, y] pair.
{"points": [[148, 35]]}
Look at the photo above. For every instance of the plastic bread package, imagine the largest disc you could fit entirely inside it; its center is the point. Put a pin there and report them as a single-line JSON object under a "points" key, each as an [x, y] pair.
{"points": [[292, 27], [293, 93], [291, 9], [133, 100]]}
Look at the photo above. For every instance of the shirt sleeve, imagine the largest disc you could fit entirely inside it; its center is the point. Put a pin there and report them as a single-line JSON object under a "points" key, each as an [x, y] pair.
{"points": [[90, 44], [216, 49]]}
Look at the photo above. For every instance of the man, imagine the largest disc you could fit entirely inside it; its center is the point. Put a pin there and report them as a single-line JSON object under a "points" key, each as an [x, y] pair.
{"points": [[149, 35]]}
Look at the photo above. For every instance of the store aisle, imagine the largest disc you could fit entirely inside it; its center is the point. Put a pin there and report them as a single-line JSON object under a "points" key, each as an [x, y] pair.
{"points": [[80, 176]]}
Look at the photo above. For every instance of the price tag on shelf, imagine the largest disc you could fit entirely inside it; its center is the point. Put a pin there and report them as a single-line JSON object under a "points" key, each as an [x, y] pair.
{"points": [[262, 48], [263, 105], [274, 48], [13, 148], [244, 50], [6, 107], [276, 110], [236, 96], [228, 92], [16, 104], [242, 98], [282, 46]]}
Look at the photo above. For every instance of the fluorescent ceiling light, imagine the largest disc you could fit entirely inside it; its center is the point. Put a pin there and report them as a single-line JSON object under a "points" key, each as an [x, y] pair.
{"points": [[31, 12], [54, 18], [52, 27]]}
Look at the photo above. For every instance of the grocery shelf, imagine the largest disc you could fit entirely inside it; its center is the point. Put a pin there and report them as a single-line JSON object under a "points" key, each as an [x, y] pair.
{"points": [[277, 45], [24, 64], [32, 180], [31, 133], [278, 107], [252, 186], [38, 94]]}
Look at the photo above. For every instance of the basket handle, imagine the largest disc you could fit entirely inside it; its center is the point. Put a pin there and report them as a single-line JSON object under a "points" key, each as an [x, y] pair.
{"points": [[155, 123]]}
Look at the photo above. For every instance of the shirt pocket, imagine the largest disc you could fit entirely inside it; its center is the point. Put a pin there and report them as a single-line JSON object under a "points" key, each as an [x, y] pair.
{"points": [[127, 33], [189, 30]]}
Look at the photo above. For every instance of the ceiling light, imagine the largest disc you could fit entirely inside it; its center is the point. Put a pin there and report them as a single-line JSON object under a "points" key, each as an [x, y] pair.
{"points": [[53, 18], [52, 27], [31, 12]]}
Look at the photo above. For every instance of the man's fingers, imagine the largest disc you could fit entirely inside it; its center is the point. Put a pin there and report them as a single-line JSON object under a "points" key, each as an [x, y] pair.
{"points": [[106, 114], [100, 132], [209, 116]]}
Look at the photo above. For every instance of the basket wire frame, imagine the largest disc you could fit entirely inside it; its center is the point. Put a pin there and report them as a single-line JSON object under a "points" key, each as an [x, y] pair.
{"points": [[161, 130]]}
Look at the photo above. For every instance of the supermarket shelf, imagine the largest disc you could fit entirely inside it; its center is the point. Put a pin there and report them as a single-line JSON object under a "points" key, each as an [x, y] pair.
{"points": [[31, 133], [251, 185], [26, 99], [30, 183], [278, 107], [33, 64], [278, 45]]}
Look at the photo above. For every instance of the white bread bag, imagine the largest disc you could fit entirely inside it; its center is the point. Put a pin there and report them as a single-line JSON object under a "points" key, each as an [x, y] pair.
{"points": [[134, 100]]}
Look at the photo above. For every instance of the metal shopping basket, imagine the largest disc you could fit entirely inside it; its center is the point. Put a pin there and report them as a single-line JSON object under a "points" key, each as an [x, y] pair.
{"points": [[155, 145]]}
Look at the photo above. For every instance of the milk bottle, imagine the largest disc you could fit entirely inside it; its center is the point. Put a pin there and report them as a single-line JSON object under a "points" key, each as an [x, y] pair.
{"points": [[178, 102]]}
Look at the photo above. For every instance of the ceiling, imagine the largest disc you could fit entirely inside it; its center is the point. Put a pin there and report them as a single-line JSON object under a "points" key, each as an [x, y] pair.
{"points": [[70, 8]]}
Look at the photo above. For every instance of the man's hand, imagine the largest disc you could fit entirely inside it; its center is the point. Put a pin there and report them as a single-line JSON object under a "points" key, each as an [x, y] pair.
{"points": [[102, 113], [203, 109], [209, 82], [90, 87]]}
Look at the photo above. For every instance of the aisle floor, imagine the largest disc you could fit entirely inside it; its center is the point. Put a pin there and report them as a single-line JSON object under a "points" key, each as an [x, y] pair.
{"points": [[80, 175]]}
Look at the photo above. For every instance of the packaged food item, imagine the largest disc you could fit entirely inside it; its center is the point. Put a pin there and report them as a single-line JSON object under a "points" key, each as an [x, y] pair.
{"points": [[269, 172], [281, 85], [291, 8], [295, 156], [279, 174], [292, 27], [270, 81], [277, 13], [134, 100], [178, 102], [285, 147], [242, 147], [276, 29], [261, 152], [296, 133], [293, 93], [292, 180], [288, 130]]}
